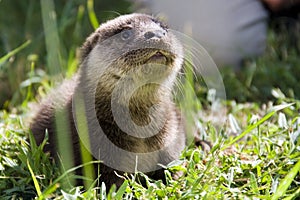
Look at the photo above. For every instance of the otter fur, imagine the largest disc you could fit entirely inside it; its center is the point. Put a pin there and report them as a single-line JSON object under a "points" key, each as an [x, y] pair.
{"points": [[119, 103]]}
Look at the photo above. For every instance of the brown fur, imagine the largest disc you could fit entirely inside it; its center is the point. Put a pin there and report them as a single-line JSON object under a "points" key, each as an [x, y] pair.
{"points": [[171, 136]]}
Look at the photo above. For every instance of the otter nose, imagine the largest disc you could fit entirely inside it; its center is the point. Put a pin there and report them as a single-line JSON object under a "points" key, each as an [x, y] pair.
{"points": [[154, 33]]}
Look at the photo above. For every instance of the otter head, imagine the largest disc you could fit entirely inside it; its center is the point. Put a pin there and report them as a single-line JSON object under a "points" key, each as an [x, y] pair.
{"points": [[133, 59], [135, 44]]}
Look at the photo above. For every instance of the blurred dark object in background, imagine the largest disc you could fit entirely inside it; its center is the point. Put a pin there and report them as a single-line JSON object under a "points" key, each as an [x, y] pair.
{"points": [[292, 12], [280, 8], [285, 22]]}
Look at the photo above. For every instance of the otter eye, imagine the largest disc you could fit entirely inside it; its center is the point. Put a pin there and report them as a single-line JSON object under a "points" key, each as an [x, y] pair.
{"points": [[126, 34]]}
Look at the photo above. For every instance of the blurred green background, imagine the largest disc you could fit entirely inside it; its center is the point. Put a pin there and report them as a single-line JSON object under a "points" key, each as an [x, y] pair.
{"points": [[21, 21]]}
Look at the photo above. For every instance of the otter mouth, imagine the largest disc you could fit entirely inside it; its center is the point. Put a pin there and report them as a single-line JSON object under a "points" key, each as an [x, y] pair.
{"points": [[149, 56], [159, 58]]}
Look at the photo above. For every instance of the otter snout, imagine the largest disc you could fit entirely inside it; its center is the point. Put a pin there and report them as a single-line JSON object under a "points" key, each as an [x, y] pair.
{"points": [[154, 33]]}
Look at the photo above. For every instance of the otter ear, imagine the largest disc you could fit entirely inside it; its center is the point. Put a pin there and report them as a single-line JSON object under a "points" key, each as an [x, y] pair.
{"points": [[161, 20], [88, 45]]}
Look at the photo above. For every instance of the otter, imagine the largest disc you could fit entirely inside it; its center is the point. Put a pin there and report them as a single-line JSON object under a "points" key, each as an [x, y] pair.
{"points": [[119, 104]]}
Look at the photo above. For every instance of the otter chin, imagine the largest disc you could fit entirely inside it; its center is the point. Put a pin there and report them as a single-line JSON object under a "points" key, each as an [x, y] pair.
{"points": [[122, 96]]}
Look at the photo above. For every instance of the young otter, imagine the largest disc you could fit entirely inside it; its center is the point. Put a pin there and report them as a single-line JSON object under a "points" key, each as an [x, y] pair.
{"points": [[119, 104]]}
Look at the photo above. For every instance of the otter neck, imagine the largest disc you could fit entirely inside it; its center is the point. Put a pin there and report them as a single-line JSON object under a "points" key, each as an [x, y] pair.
{"points": [[143, 105]]}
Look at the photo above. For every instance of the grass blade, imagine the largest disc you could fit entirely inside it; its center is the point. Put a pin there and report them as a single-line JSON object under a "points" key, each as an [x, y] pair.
{"points": [[92, 15], [54, 59], [286, 182], [36, 184], [121, 190], [65, 173], [13, 52], [294, 195], [253, 126]]}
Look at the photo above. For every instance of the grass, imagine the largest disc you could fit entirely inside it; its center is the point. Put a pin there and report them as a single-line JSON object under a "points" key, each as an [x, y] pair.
{"points": [[264, 164], [255, 153]]}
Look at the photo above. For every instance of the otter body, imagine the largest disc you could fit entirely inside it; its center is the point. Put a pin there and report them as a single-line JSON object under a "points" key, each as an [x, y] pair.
{"points": [[119, 104]]}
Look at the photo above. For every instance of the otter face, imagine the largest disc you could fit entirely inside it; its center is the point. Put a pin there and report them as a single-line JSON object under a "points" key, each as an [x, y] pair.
{"points": [[136, 43]]}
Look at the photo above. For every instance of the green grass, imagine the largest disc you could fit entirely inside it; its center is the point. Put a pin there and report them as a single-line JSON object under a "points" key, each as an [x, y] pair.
{"points": [[255, 154], [263, 164]]}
